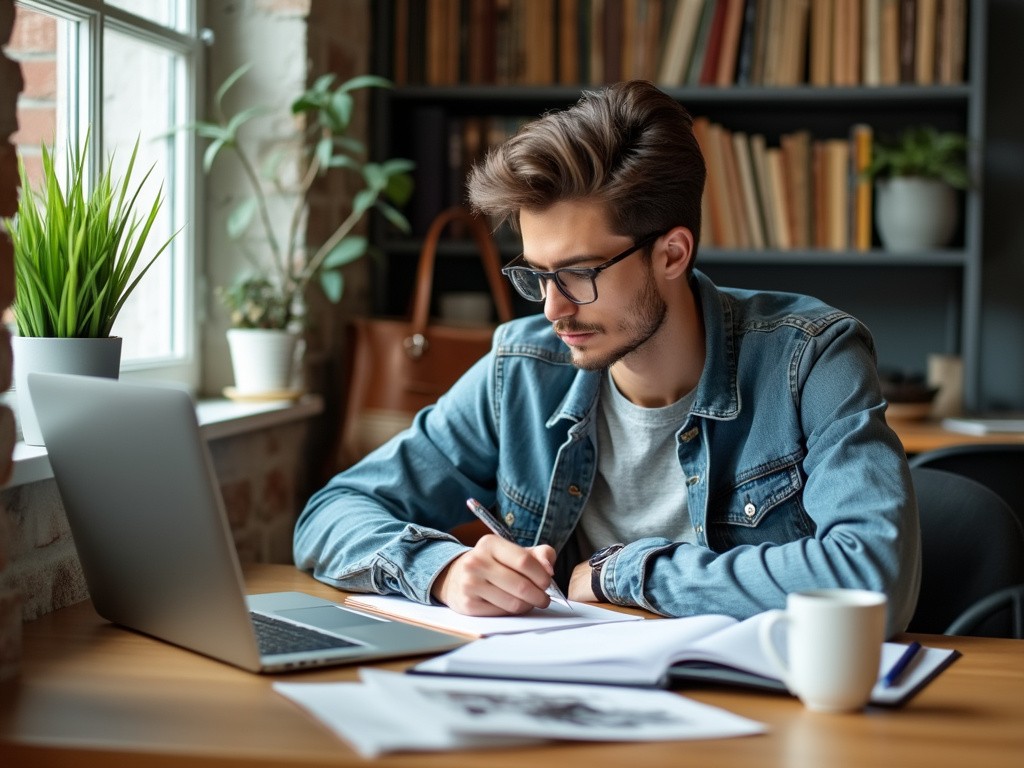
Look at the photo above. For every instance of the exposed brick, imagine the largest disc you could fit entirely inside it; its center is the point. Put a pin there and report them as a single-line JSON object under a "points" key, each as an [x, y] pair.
{"points": [[69, 582], [40, 78], [36, 125], [278, 495], [237, 497], [33, 32]]}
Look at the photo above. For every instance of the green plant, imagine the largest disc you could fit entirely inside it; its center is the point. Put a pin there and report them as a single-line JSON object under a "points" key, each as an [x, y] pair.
{"points": [[271, 295], [76, 248], [922, 151]]}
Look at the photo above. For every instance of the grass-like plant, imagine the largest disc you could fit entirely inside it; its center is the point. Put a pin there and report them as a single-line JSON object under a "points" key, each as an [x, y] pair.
{"points": [[76, 247]]}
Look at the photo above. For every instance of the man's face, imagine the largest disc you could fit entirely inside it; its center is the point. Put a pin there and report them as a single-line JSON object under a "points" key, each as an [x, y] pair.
{"points": [[629, 309]]}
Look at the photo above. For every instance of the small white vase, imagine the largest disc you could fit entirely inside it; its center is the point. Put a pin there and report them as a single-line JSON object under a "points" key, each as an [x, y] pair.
{"points": [[86, 357], [914, 214], [263, 360]]}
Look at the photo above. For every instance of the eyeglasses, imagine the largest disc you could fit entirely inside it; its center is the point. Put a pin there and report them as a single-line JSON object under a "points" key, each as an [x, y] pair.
{"points": [[577, 284]]}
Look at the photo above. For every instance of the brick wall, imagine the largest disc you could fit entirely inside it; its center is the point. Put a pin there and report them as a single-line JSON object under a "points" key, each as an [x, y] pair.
{"points": [[10, 85], [262, 479]]}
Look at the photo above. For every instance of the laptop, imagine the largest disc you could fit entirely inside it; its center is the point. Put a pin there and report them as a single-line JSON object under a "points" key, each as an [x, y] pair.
{"points": [[156, 549]]}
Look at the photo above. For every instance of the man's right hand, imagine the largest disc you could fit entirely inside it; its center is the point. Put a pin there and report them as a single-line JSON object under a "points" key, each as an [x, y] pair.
{"points": [[496, 578]]}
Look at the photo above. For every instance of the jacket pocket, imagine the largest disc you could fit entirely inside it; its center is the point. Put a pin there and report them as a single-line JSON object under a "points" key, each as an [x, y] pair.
{"points": [[765, 509]]}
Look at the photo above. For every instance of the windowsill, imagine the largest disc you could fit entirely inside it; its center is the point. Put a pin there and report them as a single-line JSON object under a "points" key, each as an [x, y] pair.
{"points": [[217, 418]]}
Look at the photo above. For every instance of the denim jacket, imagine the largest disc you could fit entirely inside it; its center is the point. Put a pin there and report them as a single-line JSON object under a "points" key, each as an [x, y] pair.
{"points": [[793, 478]]}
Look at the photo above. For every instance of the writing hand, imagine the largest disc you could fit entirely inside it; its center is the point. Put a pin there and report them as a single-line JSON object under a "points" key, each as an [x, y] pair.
{"points": [[497, 578]]}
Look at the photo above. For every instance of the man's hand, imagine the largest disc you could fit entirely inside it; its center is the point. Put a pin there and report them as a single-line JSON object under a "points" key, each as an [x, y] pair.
{"points": [[579, 584], [496, 578]]}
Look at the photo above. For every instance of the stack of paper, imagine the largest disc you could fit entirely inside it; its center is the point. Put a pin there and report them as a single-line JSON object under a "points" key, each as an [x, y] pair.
{"points": [[390, 712]]}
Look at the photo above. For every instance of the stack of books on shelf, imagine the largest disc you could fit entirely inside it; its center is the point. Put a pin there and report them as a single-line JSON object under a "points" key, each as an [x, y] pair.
{"points": [[803, 194], [680, 42]]}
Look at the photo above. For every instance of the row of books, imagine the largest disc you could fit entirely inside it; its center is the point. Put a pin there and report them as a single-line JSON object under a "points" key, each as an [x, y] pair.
{"points": [[798, 193], [804, 193], [680, 42]]}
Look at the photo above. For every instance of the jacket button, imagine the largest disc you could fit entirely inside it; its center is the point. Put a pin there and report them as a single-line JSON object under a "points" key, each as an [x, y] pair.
{"points": [[749, 509], [509, 519], [693, 480], [688, 435], [574, 490]]}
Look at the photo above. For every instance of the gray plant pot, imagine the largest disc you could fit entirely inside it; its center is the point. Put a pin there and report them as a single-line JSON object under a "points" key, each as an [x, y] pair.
{"points": [[915, 214], [87, 357]]}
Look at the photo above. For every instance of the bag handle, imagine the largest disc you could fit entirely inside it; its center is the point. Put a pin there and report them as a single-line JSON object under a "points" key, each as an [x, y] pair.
{"points": [[425, 272]]}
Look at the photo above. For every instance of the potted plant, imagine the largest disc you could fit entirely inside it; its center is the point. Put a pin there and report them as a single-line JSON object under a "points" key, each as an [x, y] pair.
{"points": [[267, 302], [916, 178], [78, 253]]}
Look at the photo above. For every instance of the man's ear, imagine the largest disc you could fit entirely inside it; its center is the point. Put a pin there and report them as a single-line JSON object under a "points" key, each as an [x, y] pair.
{"points": [[677, 249]]}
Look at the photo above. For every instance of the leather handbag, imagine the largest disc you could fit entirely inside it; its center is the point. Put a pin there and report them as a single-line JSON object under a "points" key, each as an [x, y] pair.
{"points": [[400, 366]]}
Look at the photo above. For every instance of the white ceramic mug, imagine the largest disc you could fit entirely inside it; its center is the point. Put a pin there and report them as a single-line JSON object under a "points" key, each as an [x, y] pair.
{"points": [[834, 645]]}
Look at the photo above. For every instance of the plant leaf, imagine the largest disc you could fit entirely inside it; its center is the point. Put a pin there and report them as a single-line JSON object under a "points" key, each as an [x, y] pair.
{"points": [[348, 250], [241, 217], [333, 284]]}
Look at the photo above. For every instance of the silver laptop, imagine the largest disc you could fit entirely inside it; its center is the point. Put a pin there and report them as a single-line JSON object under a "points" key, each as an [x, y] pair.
{"points": [[149, 525]]}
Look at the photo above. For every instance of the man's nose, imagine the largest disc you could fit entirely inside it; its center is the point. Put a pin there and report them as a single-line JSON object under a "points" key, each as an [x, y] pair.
{"points": [[556, 305]]}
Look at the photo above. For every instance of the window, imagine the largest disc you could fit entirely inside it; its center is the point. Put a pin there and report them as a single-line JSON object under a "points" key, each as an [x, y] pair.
{"points": [[123, 71]]}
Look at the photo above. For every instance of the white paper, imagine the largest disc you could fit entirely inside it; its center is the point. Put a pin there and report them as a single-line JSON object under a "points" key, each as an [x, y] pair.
{"points": [[373, 722], [560, 710], [554, 616], [391, 712]]}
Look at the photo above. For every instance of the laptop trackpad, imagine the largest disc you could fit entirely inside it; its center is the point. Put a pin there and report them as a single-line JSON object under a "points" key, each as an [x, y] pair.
{"points": [[329, 617]]}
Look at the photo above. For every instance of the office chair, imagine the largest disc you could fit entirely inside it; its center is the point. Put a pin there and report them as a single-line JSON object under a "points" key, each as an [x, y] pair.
{"points": [[1009, 600], [998, 466], [972, 546]]}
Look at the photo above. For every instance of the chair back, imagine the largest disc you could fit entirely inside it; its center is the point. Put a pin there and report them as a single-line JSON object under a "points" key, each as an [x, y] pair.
{"points": [[1000, 466], [972, 545]]}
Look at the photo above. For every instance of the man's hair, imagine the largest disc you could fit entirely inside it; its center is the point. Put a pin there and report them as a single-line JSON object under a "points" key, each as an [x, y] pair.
{"points": [[629, 147]]}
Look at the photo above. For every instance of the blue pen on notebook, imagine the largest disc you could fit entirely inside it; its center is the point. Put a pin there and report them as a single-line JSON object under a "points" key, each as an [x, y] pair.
{"points": [[495, 526], [893, 675]]}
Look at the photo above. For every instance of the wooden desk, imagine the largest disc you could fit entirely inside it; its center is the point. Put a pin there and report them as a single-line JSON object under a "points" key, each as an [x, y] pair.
{"points": [[91, 694], [921, 436]]}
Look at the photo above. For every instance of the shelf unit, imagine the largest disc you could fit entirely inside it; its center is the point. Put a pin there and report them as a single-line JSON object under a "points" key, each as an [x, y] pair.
{"points": [[914, 303]]}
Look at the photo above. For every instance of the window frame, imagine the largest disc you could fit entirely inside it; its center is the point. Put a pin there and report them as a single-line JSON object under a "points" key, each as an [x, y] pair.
{"points": [[81, 80]]}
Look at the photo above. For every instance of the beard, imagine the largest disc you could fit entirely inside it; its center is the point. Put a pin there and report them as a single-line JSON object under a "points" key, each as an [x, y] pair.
{"points": [[640, 322]]}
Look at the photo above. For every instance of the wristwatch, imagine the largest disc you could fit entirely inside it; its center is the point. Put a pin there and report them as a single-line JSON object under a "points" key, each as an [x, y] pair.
{"points": [[596, 562]]}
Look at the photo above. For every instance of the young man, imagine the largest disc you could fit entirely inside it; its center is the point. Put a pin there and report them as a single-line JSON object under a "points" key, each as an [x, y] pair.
{"points": [[650, 439]]}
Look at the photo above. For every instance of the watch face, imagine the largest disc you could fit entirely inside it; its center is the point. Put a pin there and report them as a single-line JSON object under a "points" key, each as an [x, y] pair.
{"points": [[604, 553]]}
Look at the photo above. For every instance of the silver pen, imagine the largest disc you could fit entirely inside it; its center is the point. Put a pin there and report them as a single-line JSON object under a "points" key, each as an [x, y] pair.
{"points": [[495, 526]]}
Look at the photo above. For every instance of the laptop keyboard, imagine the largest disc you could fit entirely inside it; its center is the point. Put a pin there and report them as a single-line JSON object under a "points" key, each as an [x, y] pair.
{"points": [[274, 636]]}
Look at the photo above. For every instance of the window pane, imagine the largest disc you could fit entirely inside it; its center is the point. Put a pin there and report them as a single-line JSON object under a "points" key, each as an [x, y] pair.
{"points": [[138, 105], [165, 12]]}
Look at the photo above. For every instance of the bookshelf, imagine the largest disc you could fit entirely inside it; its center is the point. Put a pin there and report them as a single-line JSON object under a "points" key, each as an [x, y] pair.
{"points": [[915, 303]]}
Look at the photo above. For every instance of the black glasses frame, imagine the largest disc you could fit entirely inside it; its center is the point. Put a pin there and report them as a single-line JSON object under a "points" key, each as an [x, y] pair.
{"points": [[589, 273]]}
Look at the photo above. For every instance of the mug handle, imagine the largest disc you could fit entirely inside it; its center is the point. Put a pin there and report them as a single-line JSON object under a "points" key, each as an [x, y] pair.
{"points": [[764, 632]]}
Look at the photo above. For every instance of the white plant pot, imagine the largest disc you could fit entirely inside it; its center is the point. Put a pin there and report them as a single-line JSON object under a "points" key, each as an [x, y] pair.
{"points": [[86, 357], [914, 214], [263, 360]]}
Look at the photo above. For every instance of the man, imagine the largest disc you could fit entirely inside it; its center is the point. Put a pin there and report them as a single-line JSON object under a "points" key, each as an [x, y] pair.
{"points": [[651, 439]]}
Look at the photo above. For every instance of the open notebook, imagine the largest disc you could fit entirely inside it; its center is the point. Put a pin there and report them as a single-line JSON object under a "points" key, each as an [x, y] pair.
{"points": [[660, 652]]}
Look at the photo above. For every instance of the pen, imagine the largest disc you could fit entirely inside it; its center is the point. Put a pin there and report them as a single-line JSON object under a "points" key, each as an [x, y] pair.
{"points": [[483, 514], [893, 675]]}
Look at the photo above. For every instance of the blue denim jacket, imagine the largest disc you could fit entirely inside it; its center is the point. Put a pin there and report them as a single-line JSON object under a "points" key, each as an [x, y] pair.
{"points": [[794, 480]]}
